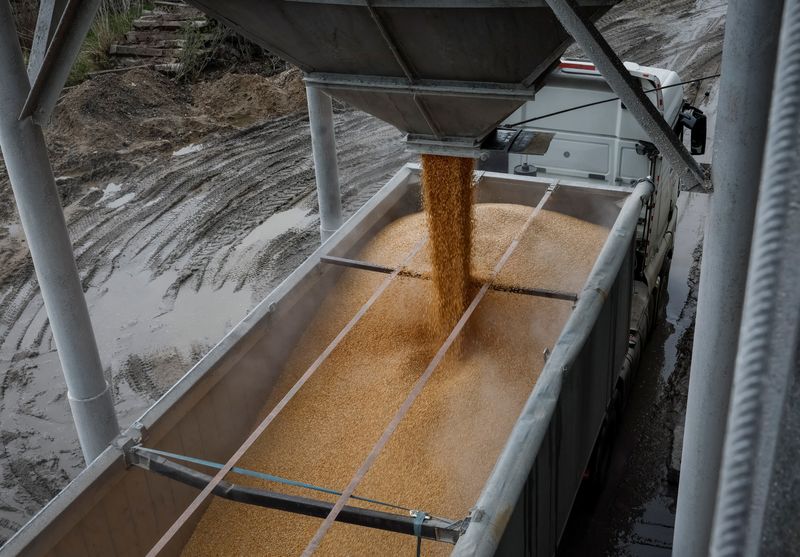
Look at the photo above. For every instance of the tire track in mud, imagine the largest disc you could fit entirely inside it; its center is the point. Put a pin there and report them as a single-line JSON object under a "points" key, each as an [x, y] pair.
{"points": [[190, 212], [173, 230]]}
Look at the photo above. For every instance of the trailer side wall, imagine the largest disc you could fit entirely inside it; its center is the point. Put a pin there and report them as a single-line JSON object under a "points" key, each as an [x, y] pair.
{"points": [[542, 509]]}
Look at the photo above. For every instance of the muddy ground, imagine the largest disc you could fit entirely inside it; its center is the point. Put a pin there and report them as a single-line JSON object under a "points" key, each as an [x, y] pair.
{"points": [[187, 204]]}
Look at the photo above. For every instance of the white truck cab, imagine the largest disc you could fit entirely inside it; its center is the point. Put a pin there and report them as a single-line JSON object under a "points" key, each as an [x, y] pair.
{"points": [[589, 136], [597, 140]]}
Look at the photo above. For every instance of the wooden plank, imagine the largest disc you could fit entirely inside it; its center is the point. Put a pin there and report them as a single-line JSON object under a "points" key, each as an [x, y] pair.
{"points": [[170, 4], [151, 37], [143, 50], [145, 24], [188, 14], [116, 70], [171, 68], [153, 42]]}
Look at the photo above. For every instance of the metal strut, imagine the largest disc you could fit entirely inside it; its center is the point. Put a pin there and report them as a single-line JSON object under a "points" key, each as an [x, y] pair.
{"points": [[54, 68], [628, 90], [50, 12], [525, 290], [26, 159], [432, 528], [326, 166]]}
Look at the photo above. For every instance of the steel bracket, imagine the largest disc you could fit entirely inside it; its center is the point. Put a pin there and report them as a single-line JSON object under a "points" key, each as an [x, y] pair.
{"points": [[432, 87]]}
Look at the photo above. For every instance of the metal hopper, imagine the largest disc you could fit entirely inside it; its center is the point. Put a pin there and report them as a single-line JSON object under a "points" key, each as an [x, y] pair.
{"points": [[445, 72]]}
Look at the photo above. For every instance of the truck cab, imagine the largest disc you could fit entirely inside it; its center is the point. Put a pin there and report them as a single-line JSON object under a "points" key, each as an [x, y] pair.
{"points": [[596, 140]]}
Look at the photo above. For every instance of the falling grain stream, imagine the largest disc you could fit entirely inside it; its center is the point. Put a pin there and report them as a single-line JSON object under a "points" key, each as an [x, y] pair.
{"points": [[448, 202]]}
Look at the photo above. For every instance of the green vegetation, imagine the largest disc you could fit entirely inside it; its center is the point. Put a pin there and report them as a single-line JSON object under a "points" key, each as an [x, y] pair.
{"points": [[198, 50], [218, 48], [114, 19]]}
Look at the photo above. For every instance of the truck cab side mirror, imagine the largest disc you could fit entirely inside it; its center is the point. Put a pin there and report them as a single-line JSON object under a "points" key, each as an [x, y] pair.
{"points": [[694, 120]]}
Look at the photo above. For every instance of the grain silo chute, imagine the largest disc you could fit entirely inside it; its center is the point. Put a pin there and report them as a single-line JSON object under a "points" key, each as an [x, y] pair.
{"points": [[446, 73]]}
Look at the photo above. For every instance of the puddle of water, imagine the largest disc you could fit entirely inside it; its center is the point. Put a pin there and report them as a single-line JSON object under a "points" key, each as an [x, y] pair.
{"points": [[15, 231], [110, 191], [191, 148], [125, 199], [692, 211], [276, 225], [132, 298]]}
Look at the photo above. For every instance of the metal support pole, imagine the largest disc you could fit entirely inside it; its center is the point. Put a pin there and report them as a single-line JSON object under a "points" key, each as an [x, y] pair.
{"points": [[63, 47], [758, 489], [629, 91], [26, 160], [50, 12], [326, 168], [748, 68]]}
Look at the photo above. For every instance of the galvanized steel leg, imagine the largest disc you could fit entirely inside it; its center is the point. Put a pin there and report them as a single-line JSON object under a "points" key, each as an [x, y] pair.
{"points": [[26, 159], [326, 169], [758, 490], [64, 45], [50, 12], [748, 66], [631, 94]]}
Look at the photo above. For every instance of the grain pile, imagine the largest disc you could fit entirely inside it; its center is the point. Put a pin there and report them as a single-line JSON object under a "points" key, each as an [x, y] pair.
{"points": [[448, 202], [445, 448]]}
